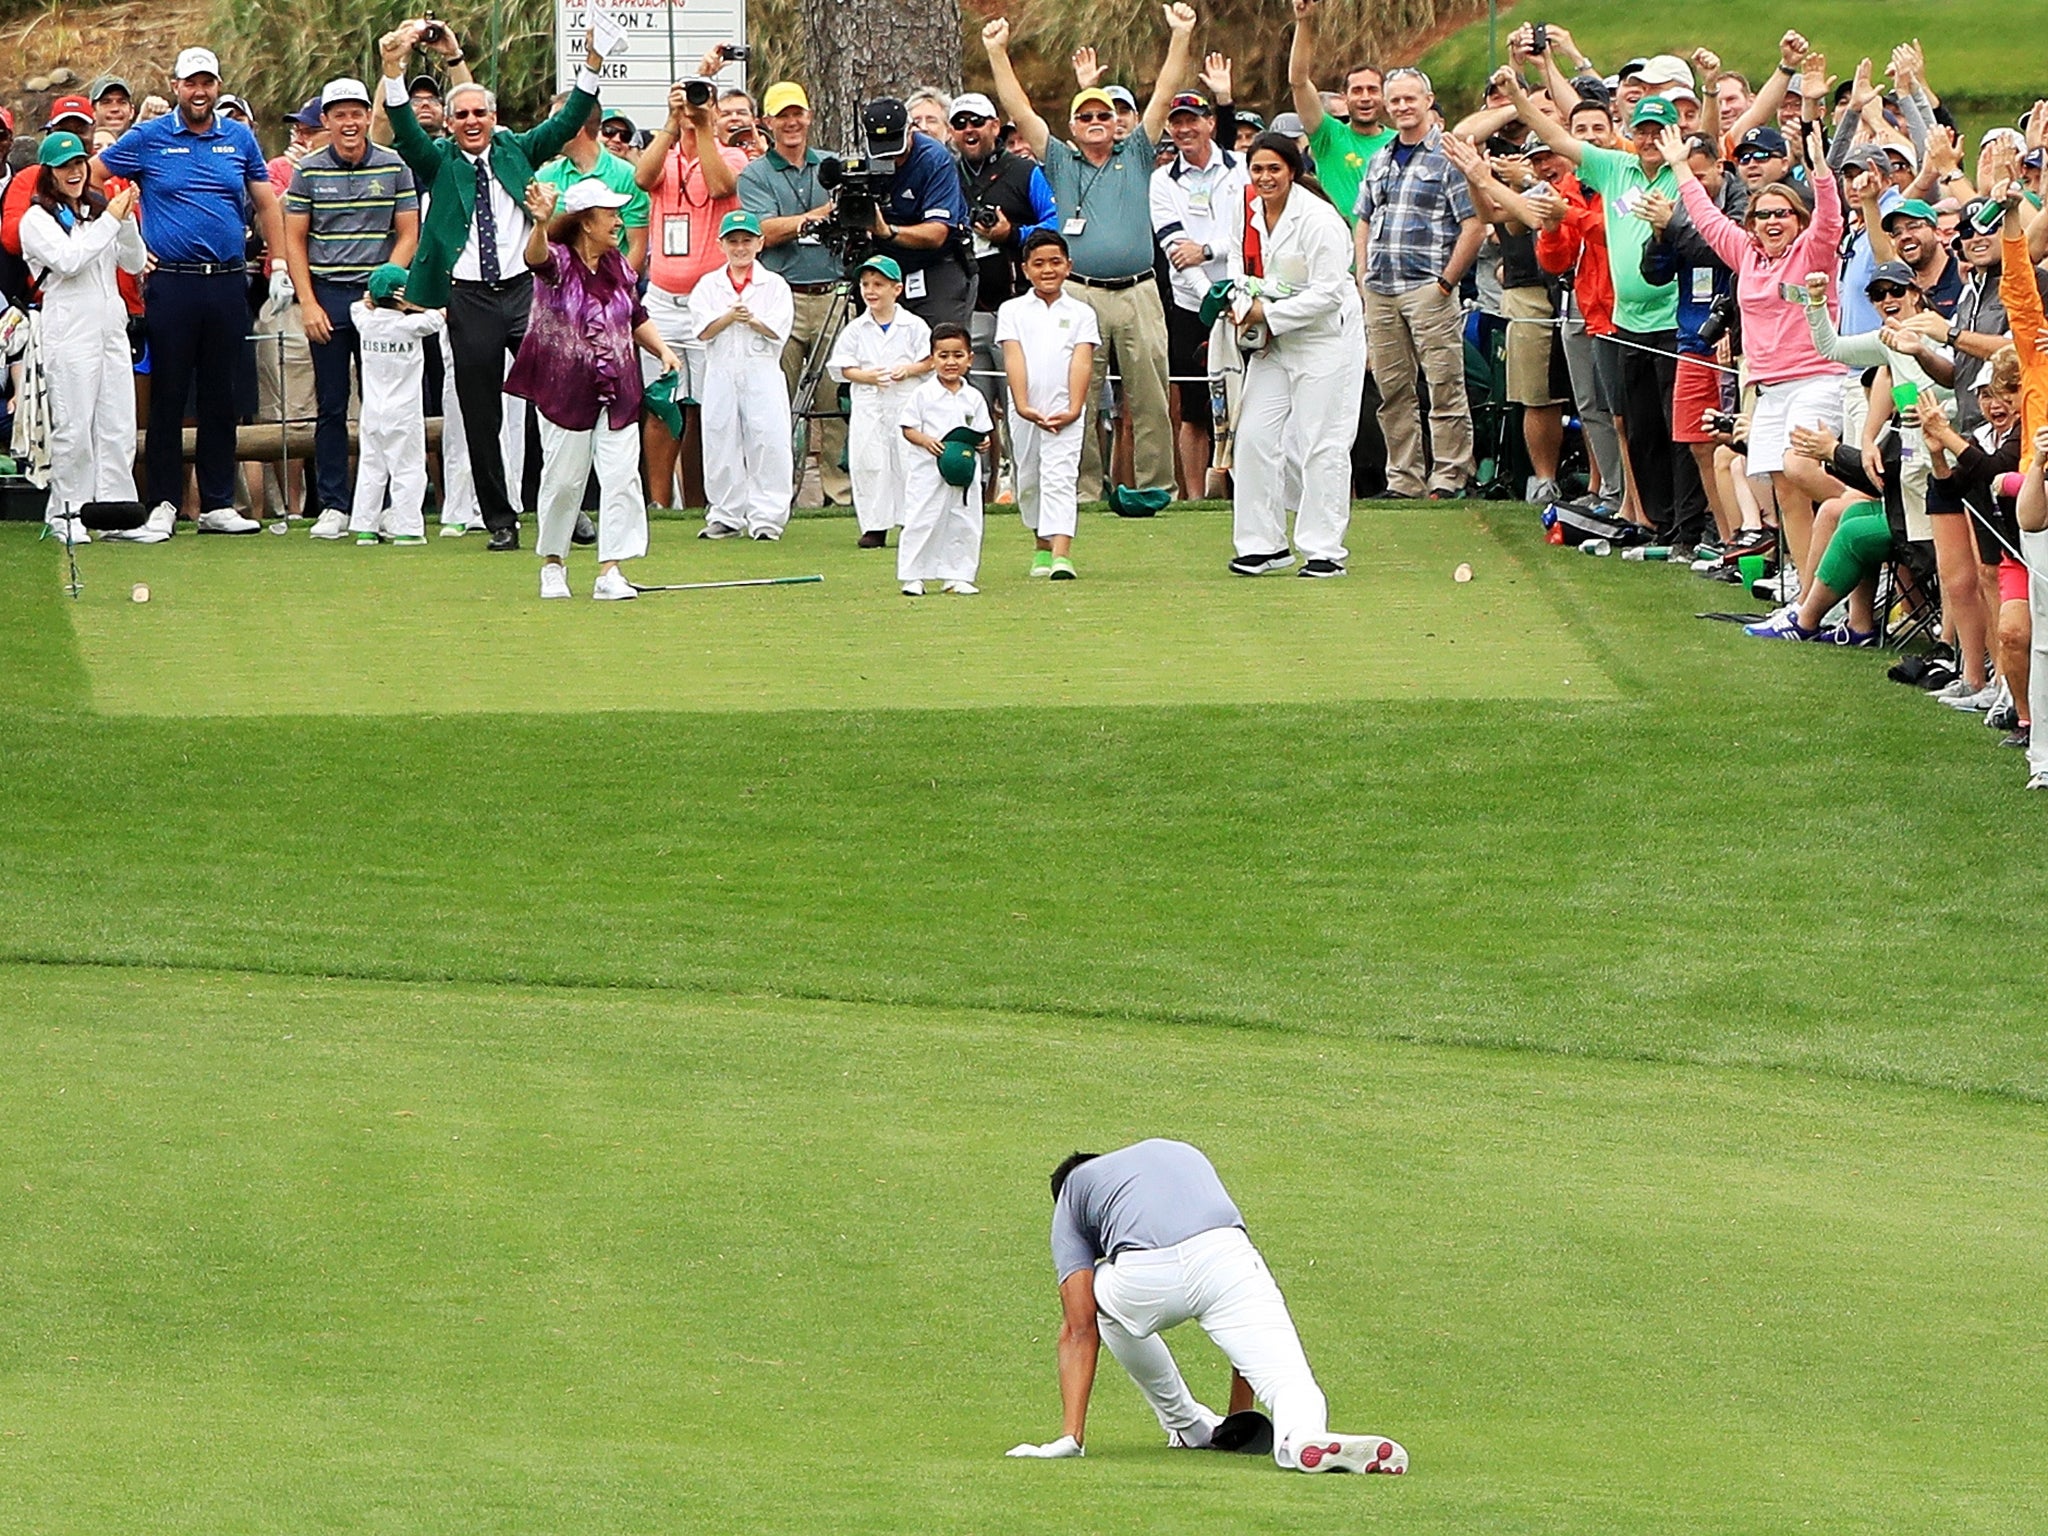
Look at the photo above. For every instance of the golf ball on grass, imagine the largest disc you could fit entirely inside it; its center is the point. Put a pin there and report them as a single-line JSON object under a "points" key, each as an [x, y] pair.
{"points": [[1462, 573], [141, 592]]}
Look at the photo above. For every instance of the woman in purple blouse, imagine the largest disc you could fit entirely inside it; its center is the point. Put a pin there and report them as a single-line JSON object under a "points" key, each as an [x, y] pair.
{"points": [[578, 369]]}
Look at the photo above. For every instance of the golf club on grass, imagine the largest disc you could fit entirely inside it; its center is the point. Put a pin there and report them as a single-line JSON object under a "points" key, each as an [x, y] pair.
{"points": [[706, 586]]}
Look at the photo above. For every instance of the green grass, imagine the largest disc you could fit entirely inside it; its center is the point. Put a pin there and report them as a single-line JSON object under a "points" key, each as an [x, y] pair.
{"points": [[1638, 1088]]}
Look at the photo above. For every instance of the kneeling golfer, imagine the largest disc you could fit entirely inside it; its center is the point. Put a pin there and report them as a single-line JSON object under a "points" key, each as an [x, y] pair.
{"points": [[1147, 1237]]}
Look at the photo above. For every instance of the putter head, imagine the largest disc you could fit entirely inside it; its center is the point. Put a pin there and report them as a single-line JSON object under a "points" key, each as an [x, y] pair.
{"points": [[1247, 1434]]}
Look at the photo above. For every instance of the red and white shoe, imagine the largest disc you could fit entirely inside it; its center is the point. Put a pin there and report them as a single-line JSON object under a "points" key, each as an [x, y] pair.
{"points": [[1352, 1453]]}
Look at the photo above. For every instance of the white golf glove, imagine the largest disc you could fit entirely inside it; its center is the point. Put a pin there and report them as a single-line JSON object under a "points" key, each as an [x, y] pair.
{"points": [[1056, 1450], [280, 294]]}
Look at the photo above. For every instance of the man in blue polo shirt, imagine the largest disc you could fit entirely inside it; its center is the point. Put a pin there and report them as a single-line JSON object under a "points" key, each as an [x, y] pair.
{"points": [[921, 219], [195, 169]]}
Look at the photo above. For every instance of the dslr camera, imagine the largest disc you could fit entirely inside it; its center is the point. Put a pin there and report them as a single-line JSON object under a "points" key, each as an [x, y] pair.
{"points": [[698, 91]]}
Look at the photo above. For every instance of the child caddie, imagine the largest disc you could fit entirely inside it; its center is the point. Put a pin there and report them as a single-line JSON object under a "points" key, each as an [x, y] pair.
{"points": [[392, 459], [943, 424], [1048, 342], [743, 314], [879, 356]]}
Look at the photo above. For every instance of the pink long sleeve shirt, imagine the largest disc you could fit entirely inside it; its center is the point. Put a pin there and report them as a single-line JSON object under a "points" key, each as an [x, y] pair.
{"points": [[1776, 342]]}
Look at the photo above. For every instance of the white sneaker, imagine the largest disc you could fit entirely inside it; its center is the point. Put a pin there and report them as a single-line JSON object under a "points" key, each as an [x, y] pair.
{"points": [[962, 589], [611, 587], [1975, 700], [227, 520], [67, 530], [155, 530], [554, 580], [1352, 1453], [913, 589], [330, 524], [2038, 781]]}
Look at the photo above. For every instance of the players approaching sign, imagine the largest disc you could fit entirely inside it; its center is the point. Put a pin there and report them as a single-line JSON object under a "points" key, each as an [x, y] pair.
{"points": [[1145, 1238]]}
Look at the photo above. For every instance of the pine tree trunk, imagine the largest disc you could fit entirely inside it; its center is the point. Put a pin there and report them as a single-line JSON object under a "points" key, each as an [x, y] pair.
{"points": [[860, 49]]}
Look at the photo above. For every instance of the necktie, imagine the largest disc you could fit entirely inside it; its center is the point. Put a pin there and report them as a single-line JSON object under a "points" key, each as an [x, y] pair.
{"points": [[486, 224]]}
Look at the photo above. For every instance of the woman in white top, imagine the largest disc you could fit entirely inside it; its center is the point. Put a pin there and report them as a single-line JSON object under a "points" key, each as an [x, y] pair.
{"points": [[1303, 381], [73, 239]]}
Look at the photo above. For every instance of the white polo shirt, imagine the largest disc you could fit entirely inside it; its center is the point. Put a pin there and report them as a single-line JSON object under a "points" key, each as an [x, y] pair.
{"points": [[1203, 205], [1048, 333]]}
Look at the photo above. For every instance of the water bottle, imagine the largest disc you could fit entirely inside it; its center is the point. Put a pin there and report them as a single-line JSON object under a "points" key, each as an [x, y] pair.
{"points": [[1596, 547], [1647, 552]]}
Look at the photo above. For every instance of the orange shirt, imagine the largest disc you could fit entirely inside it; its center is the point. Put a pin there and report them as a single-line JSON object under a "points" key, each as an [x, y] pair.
{"points": [[682, 224], [2022, 300]]}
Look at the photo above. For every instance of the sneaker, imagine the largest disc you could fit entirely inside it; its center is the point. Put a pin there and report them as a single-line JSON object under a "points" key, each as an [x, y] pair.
{"points": [[962, 589], [155, 530], [330, 525], [1352, 1453], [1451, 493], [1543, 493], [1261, 565], [1041, 563], [1322, 569], [765, 535], [365, 537], [2002, 716], [1750, 541], [874, 538], [554, 581], [611, 587], [1939, 673], [1973, 702], [2038, 781], [585, 532], [227, 520], [720, 531], [66, 530], [1782, 625], [1842, 634], [454, 530], [1062, 568], [408, 540], [913, 589], [2021, 737]]}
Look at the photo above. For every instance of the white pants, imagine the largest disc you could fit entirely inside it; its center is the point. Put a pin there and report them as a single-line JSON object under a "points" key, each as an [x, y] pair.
{"points": [[674, 323], [749, 475], [2034, 546], [91, 379], [565, 460], [876, 461], [459, 506], [1218, 1279], [941, 524], [1048, 474], [1299, 401], [391, 456]]}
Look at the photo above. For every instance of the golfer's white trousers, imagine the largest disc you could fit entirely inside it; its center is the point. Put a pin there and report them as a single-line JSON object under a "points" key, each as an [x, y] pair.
{"points": [[1048, 475], [391, 460], [1299, 408], [749, 475], [1218, 1279], [565, 460]]}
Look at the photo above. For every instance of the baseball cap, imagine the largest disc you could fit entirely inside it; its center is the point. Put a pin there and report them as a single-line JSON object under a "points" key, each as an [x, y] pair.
{"points": [[1121, 96], [1970, 210], [195, 61], [1680, 93], [1654, 109], [7, 118], [1889, 272], [959, 452], [1767, 139], [618, 117], [307, 116], [1864, 155], [1191, 101], [886, 124], [1905, 153], [1252, 120], [60, 149], [1290, 123], [107, 83], [344, 89], [590, 192], [425, 83], [239, 104], [1910, 208], [1698, 144], [387, 281], [886, 265], [738, 222], [68, 106], [782, 95], [1665, 69], [2003, 135], [973, 105], [1093, 93]]}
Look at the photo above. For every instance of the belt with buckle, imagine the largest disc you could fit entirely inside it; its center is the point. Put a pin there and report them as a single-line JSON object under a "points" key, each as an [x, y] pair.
{"points": [[812, 287], [1110, 284], [498, 287], [202, 268]]}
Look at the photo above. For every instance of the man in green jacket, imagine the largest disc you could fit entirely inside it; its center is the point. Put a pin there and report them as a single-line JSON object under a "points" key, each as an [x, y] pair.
{"points": [[473, 236]]}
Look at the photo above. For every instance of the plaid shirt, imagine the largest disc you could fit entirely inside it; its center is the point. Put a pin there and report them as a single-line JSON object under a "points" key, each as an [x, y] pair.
{"points": [[1412, 215]]}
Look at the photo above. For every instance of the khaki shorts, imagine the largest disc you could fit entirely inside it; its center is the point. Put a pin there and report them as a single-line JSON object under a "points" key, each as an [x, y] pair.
{"points": [[1531, 368]]}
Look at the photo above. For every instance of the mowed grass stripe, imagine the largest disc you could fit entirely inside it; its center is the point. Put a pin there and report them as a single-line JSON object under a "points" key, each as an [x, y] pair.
{"points": [[296, 1255], [291, 626], [40, 663]]}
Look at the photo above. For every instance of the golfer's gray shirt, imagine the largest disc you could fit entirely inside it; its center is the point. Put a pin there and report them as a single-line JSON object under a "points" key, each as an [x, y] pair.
{"points": [[1152, 1195]]}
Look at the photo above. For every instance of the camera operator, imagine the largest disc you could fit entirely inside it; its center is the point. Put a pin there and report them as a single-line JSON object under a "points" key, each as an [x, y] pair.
{"points": [[921, 216], [1007, 198], [783, 191]]}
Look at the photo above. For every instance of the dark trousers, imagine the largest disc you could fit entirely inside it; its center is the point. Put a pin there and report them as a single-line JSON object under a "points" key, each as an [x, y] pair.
{"points": [[196, 329], [1369, 445], [332, 360], [949, 294], [1649, 376], [485, 323]]}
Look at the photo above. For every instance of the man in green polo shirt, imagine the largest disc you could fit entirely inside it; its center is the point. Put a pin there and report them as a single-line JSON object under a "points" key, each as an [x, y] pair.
{"points": [[585, 155], [1341, 148]]}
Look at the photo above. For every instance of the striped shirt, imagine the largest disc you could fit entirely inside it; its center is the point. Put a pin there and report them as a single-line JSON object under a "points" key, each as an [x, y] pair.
{"points": [[353, 208]]}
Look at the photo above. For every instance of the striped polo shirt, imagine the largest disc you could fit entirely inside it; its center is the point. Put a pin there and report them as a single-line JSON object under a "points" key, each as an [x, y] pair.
{"points": [[352, 208]]}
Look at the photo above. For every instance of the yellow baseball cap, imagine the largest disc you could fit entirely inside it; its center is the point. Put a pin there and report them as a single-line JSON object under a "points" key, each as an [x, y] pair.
{"points": [[1093, 93], [782, 94]]}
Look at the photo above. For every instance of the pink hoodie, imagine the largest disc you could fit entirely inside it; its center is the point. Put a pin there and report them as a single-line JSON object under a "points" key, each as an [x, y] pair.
{"points": [[1776, 342]]}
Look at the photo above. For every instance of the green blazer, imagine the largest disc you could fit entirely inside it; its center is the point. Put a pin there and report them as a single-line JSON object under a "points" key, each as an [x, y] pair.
{"points": [[446, 180]]}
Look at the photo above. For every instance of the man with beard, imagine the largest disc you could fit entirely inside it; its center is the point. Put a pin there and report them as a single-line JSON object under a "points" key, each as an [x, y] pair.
{"points": [[1915, 234]]}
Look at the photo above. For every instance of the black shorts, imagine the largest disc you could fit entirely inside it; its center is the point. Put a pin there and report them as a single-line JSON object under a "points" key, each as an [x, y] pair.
{"points": [[1187, 358]]}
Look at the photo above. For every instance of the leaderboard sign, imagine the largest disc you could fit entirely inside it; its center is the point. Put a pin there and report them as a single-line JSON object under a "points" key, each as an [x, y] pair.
{"points": [[638, 75]]}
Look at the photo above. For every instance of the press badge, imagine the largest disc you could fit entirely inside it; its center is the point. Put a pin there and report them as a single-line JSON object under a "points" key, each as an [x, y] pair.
{"points": [[913, 284], [675, 234], [1075, 227], [1198, 201], [1702, 284]]}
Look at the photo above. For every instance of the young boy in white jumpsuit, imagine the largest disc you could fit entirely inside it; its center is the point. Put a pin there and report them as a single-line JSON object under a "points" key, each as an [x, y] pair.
{"points": [[942, 521], [1048, 340], [86, 364], [392, 456], [1302, 388], [744, 313], [880, 356]]}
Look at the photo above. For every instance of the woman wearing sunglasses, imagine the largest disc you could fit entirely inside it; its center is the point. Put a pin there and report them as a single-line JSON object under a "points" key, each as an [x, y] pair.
{"points": [[1776, 245]]}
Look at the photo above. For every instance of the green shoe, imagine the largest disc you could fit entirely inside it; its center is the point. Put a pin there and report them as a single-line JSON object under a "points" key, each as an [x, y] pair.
{"points": [[410, 539], [1041, 563], [367, 536], [1063, 569]]}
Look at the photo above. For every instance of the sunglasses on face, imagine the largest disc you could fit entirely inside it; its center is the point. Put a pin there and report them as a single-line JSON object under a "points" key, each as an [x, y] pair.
{"points": [[1757, 156], [969, 120], [1887, 291], [1096, 117], [1774, 213], [618, 133], [461, 114]]}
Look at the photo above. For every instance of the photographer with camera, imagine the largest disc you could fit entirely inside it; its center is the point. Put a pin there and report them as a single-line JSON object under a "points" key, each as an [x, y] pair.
{"points": [[783, 190], [692, 182], [1007, 198], [920, 212]]}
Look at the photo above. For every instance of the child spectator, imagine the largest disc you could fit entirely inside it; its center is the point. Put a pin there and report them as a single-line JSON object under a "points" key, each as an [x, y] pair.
{"points": [[941, 515], [743, 313], [393, 335], [1048, 341], [878, 355]]}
